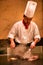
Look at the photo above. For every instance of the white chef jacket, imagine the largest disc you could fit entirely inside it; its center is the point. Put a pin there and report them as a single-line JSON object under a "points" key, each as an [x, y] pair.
{"points": [[22, 35]]}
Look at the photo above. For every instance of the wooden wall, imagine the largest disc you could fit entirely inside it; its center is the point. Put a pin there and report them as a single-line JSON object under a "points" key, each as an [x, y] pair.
{"points": [[12, 11]]}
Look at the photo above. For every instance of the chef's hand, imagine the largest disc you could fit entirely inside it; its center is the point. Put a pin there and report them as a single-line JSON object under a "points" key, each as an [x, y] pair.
{"points": [[12, 43], [32, 45]]}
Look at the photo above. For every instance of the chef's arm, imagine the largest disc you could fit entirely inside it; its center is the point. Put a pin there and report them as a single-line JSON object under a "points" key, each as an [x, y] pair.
{"points": [[34, 43], [36, 40], [37, 37], [12, 43]]}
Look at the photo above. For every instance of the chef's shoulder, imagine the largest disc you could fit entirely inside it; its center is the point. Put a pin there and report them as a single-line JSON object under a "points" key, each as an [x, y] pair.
{"points": [[33, 23], [17, 23]]}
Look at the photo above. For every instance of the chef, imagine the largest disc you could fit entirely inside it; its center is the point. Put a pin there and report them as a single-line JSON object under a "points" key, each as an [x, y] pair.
{"points": [[24, 34]]}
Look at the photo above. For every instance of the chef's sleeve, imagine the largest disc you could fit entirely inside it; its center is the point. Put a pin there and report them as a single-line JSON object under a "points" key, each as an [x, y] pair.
{"points": [[36, 33], [12, 32]]}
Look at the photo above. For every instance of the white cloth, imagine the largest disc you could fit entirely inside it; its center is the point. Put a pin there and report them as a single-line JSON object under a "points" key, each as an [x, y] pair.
{"points": [[22, 35]]}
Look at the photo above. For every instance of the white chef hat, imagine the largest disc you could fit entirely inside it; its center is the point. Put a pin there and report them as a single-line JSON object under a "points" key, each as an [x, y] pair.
{"points": [[30, 9]]}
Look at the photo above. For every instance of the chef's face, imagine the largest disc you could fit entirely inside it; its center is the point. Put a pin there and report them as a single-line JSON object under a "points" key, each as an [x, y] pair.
{"points": [[26, 19]]}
